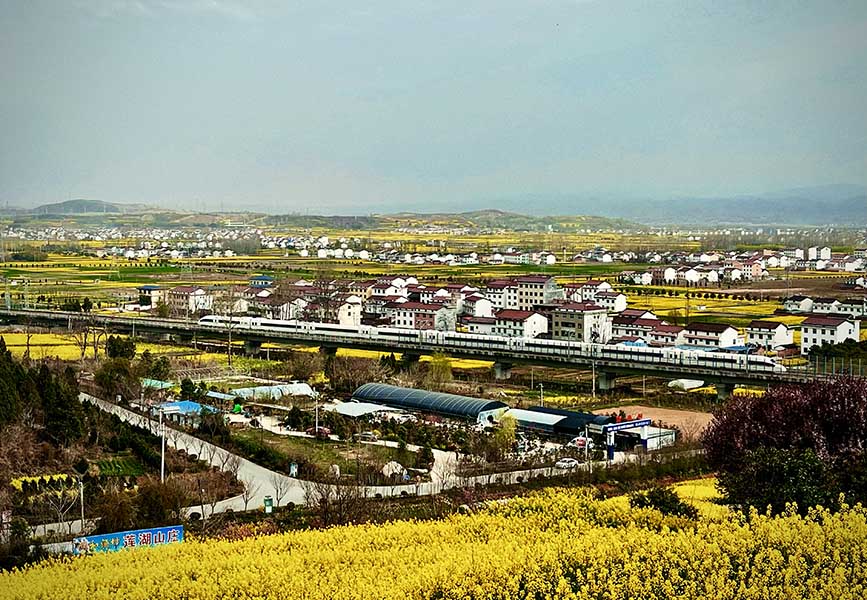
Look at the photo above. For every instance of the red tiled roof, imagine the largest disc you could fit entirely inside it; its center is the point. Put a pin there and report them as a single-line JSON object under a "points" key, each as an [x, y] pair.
{"points": [[758, 324], [579, 307], [480, 320], [514, 315], [708, 327], [418, 306], [824, 321]]}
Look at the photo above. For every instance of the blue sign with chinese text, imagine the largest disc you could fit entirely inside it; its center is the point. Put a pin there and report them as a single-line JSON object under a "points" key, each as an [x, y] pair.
{"points": [[112, 542], [625, 425]]}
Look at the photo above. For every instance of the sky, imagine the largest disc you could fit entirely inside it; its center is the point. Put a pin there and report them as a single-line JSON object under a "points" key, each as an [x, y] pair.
{"points": [[366, 107]]}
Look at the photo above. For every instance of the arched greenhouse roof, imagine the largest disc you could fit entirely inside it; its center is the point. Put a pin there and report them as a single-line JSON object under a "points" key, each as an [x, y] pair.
{"points": [[452, 405]]}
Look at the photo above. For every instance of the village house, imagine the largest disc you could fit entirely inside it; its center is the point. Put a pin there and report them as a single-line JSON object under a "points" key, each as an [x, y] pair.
{"points": [[855, 307], [801, 304], [825, 305], [151, 295], [419, 315], [189, 300], [479, 325], [769, 334], [819, 330], [611, 301], [478, 306], [580, 322], [711, 335], [533, 290], [663, 334], [625, 326], [519, 323], [261, 281]]}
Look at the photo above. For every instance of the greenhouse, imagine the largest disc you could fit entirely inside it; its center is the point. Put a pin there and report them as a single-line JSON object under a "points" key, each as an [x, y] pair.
{"points": [[447, 405]]}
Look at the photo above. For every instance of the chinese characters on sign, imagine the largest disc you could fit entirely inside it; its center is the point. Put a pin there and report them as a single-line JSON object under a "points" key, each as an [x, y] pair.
{"points": [[112, 542]]}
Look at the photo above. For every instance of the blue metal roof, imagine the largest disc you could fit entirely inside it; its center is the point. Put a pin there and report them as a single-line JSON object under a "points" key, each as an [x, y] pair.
{"points": [[450, 405], [156, 384], [186, 407]]}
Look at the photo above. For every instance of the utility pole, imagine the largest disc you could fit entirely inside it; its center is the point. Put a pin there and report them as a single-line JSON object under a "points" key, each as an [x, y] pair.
{"points": [[81, 492], [162, 448], [542, 395], [593, 366]]}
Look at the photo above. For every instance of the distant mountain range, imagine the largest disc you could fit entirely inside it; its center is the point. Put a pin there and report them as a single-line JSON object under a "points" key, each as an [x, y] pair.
{"points": [[844, 205], [81, 206]]}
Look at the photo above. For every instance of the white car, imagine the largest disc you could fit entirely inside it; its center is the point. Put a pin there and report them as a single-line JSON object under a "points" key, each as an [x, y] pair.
{"points": [[580, 442], [566, 463]]}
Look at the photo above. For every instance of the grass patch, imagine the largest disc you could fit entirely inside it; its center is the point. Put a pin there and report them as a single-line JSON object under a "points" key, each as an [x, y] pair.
{"points": [[326, 453]]}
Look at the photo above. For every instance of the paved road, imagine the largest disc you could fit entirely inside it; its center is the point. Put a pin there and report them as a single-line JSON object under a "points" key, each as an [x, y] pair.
{"points": [[266, 482]]}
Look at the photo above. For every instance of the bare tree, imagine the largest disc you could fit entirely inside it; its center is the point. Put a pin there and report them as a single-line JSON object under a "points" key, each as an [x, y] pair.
{"points": [[336, 503], [442, 471], [61, 498], [214, 490], [79, 331], [210, 453], [228, 304], [324, 303], [230, 463], [28, 333], [349, 372], [250, 490], [281, 487], [97, 332], [172, 436]]}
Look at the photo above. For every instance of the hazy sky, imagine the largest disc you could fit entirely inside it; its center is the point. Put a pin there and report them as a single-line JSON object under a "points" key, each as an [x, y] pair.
{"points": [[369, 106]]}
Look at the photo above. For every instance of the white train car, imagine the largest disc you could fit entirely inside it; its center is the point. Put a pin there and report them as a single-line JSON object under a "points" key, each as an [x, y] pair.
{"points": [[551, 349]]}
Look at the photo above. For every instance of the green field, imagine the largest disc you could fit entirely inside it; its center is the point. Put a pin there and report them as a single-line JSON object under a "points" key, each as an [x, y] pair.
{"points": [[326, 453]]}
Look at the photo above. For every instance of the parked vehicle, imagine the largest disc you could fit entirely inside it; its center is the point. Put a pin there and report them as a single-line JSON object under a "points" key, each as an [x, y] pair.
{"points": [[321, 432], [567, 463], [366, 436], [580, 442]]}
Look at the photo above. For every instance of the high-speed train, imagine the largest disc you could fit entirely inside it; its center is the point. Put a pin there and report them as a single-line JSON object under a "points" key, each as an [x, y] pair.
{"points": [[562, 350]]}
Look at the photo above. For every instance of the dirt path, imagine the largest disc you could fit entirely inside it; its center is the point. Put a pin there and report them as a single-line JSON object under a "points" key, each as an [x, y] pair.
{"points": [[690, 423]]}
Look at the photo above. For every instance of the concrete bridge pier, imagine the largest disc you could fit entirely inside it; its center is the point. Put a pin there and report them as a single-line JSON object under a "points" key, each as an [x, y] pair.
{"points": [[724, 390], [252, 348], [502, 370], [605, 381]]}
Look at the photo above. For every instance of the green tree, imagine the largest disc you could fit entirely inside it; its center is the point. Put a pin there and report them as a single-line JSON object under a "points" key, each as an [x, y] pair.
{"points": [[664, 500], [439, 371], [504, 437], [71, 305], [774, 477], [119, 347], [64, 416], [86, 304], [116, 377], [163, 311], [424, 458]]}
